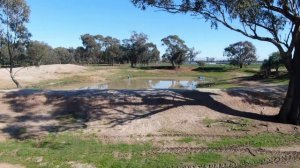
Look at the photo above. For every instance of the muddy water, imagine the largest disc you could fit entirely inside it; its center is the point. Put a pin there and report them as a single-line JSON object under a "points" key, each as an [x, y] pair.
{"points": [[148, 84]]}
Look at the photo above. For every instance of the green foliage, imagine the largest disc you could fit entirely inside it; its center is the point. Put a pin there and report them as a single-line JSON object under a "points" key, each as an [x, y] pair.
{"points": [[274, 62], [40, 53], [14, 15], [192, 54], [176, 52], [139, 50], [241, 53]]}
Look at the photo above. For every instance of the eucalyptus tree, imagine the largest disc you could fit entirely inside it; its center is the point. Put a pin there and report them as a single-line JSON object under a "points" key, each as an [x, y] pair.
{"points": [[110, 47], [113, 51], [136, 47], [177, 51], [14, 14], [275, 61], [38, 52], [273, 21], [64, 55], [153, 54], [4, 58], [80, 55], [92, 50], [241, 53], [192, 54]]}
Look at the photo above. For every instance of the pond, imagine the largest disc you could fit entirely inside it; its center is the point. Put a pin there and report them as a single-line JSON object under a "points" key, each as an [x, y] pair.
{"points": [[148, 84]]}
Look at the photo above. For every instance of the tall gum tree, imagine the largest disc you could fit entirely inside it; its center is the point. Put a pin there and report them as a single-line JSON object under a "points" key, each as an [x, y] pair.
{"points": [[273, 21], [14, 14]]}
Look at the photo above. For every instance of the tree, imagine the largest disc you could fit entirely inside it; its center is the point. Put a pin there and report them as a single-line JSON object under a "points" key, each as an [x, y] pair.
{"points": [[192, 54], [275, 61], [112, 52], [79, 55], [136, 47], [177, 51], [241, 53], [92, 49], [4, 58], [37, 52], [14, 14], [111, 48], [63, 55], [273, 21], [153, 54], [265, 68]]}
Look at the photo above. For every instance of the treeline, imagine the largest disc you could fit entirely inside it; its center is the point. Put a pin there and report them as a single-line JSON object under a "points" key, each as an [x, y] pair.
{"points": [[96, 49]]}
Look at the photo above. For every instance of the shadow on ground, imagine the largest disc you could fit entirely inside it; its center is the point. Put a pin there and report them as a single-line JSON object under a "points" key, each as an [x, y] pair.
{"points": [[264, 96], [156, 68], [214, 69], [60, 111]]}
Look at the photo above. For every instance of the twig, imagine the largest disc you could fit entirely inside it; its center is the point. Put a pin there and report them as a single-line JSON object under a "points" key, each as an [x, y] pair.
{"points": [[250, 152]]}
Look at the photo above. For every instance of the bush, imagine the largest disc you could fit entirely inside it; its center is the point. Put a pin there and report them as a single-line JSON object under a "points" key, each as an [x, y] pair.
{"points": [[200, 63]]}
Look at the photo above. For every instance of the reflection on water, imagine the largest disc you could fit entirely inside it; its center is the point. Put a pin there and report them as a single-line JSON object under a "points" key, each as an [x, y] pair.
{"points": [[148, 84]]}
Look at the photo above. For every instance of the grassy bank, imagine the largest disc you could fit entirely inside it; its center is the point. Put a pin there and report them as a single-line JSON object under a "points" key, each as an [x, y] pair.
{"points": [[67, 149], [217, 76]]}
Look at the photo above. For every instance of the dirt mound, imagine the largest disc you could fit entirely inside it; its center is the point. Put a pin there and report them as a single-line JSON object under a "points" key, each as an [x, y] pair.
{"points": [[27, 113], [34, 74]]}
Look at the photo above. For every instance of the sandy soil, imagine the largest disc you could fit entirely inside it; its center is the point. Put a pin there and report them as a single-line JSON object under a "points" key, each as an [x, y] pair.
{"points": [[123, 113], [6, 165], [33, 75]]}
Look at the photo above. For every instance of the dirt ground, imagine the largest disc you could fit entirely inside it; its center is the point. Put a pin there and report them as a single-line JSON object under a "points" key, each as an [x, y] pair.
{"points": [[6, 165], [123, 113], [159, 116], [29, 76]]}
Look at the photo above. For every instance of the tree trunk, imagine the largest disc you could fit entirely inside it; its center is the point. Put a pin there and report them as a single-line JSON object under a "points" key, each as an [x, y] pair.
{"points": [[290, 111], [277, 71], [131, 63], [241, 66], [13, 78], [173, 65], [11, 66]]}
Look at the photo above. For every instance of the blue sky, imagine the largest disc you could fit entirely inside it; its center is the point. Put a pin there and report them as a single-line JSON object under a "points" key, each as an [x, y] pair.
{"points": [[61, 22]]}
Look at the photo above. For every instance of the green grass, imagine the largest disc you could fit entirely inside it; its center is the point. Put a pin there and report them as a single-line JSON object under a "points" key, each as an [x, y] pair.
{"points": [[234, 125], [248, 160], [59, 150], [205, 158], [260, 140], [252, 160], [280, 81], [56, 83], [186, 140], [217, 76], [208, 122], [239, 125]]}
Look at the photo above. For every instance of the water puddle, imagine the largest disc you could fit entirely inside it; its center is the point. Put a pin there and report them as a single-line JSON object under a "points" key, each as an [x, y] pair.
{"points": [[133, 84]]}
